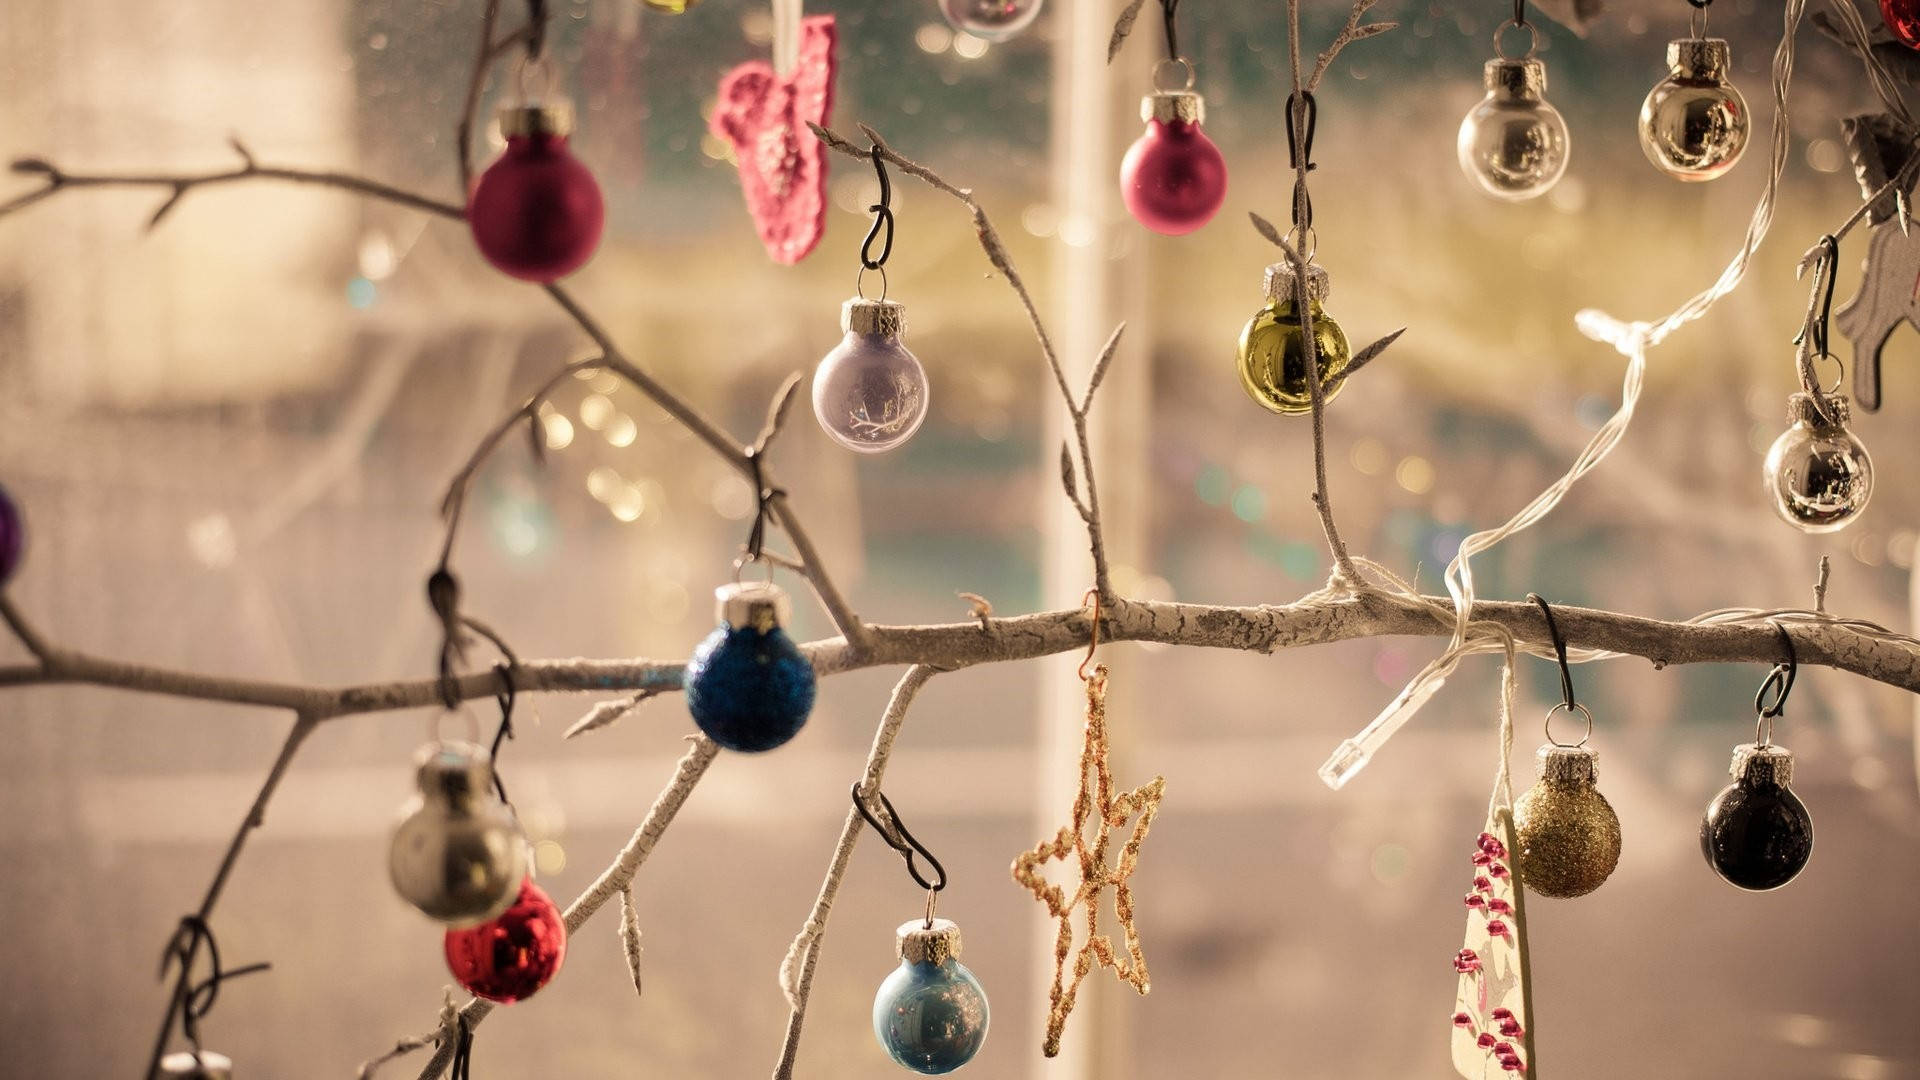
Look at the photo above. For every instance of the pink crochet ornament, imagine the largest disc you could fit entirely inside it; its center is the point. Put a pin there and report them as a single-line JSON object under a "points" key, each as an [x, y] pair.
{"points": [[783, 168]]}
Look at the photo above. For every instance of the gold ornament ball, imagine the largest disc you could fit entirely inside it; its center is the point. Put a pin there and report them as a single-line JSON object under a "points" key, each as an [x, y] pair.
{"points": [[1694, 124], [1568, 834], [1272, 354], [671, 7]]}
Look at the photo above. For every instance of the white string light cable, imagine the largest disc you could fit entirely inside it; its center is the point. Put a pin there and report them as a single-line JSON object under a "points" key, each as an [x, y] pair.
{"points": [[1633, 340], [786, 36]]}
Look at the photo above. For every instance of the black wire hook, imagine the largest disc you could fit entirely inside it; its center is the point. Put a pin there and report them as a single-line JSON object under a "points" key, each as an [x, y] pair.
{"points": [[197, 999], [1168, 9], [505, 696], [904, 843], [462, 1066], [443, 595], [536, 28], [882, 215], [1779, 681], [1559, 650], [1300, 149], [1520, 12]]}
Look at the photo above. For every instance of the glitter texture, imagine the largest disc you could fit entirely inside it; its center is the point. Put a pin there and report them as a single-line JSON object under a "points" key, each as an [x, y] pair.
{"points": [[1569, 837]]}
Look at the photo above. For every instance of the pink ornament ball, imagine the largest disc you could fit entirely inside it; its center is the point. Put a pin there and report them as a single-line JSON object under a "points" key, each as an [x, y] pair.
{"points": [[536, 213], [1173, 178]]}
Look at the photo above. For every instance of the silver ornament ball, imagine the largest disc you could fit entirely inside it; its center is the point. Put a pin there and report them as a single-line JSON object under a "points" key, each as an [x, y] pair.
{"points": [[1694, 123], [870, 392], [1818, 476], [458, 854], [1514, 142]]}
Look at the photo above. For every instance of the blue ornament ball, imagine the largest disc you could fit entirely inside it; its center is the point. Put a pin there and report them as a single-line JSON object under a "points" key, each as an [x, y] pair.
{"points": [[931, 1013], [748, 685]]}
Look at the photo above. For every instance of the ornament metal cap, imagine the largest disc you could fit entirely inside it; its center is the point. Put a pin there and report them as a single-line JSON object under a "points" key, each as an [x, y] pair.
{"points": [[917, 943], [761, 605], [1699, 59], [1568, 764], [554, 118], [886, 318], [196, 1065], [1803, 408], [1757, 764], [453, 771], [1280, 280], [1174, 106], [1517, 80]]}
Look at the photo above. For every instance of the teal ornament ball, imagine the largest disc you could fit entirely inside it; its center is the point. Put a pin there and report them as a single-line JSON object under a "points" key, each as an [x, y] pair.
{"points": [[931, 1013], [748, 685]]}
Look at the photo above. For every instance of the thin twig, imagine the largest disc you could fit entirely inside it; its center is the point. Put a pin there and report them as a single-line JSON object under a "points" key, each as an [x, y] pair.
{"points": [[476, 82], [24, 630], [1349, 34], [178, 184]]}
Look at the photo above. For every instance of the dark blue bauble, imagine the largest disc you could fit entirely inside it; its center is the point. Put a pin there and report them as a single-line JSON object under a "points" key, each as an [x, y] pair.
{"points": [[931, 1018], [749, 689]]}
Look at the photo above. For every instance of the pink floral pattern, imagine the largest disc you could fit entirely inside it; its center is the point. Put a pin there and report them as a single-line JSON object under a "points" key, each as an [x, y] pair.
{"points": [[1489, 1033]]}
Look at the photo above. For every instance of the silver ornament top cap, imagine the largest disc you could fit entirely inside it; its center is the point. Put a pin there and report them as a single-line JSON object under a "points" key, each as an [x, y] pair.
{"points": [[454, 771], [759, 604], [1803, 409], [917, 943], [555, 118], [1174, 106], [1568, 764], [200, 1065], [887, 318], [1699, 59], [1517, 80], [1756, 764], [1280, 280]]}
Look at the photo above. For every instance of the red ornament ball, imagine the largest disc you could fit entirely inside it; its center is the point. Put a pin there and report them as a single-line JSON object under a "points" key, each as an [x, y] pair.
{"points": [[1903, 18], [509, 958], [536, 213], [1173, 178]]}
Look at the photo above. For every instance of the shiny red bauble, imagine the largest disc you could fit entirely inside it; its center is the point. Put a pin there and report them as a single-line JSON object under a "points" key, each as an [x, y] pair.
{"points": [[1173, 178], [508, 958], [536, 213], [1903, 18]]}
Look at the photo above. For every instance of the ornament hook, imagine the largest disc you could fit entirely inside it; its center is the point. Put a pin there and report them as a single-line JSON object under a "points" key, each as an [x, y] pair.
{"points": [[1697, 21], [1778, 684], [1303, 115], [902, 841], [1167, 10], [505, 696], [1093, 634], [882, 212], [1560, 654], [764, 496]]}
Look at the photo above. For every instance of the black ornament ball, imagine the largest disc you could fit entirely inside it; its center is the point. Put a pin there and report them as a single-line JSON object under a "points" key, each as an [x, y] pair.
{"points": [[1757, 834]]}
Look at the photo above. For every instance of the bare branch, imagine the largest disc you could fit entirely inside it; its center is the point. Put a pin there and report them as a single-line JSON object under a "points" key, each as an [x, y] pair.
{"points": [[605, 713], [630, 938], [1349, 34], [1122, 27], [476, 81], [24, 630], [1370, 353], [1066, 477], [246, 156], [981, 607], [1099, 375], [777, 412], [178, 184]]}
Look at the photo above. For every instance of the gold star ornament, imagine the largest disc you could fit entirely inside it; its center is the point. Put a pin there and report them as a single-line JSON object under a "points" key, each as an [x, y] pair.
{"points": [[1095, 802]]}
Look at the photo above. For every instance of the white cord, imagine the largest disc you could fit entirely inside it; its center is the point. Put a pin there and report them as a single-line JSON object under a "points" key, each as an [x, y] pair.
{"points": [[786, 36]]}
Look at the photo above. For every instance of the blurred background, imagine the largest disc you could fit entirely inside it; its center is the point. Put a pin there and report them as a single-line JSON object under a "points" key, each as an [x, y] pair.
{"points": [[230, 436]]}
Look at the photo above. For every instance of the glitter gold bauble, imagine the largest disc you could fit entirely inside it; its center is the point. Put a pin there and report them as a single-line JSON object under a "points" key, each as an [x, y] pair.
{"points": [[1569, 837]]}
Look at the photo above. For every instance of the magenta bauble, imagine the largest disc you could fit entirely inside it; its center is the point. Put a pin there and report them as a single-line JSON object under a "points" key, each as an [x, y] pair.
{"points": [[1173, 178], [1903, 18], [510, 957], [536, 213]]}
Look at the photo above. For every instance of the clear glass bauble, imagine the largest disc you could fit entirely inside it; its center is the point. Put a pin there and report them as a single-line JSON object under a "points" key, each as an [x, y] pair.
{"points": [[458, 854], [991, 20], [1818, 476], [1514, 144], [870, 392]]}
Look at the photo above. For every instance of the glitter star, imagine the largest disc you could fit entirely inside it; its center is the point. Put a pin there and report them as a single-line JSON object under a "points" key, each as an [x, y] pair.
{"points": [[1096, 800]]}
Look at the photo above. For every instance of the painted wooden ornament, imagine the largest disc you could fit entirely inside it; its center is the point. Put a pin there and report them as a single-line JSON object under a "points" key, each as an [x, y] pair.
{"points": [[1889, 295], [1493, 1009]]}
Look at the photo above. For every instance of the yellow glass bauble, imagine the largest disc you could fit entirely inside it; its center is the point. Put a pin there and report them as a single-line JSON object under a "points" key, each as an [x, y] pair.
{"points": [[1273, 365]]}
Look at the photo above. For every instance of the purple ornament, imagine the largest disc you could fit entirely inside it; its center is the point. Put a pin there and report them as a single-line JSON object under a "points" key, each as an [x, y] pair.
{"points": [[13, 537]]}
